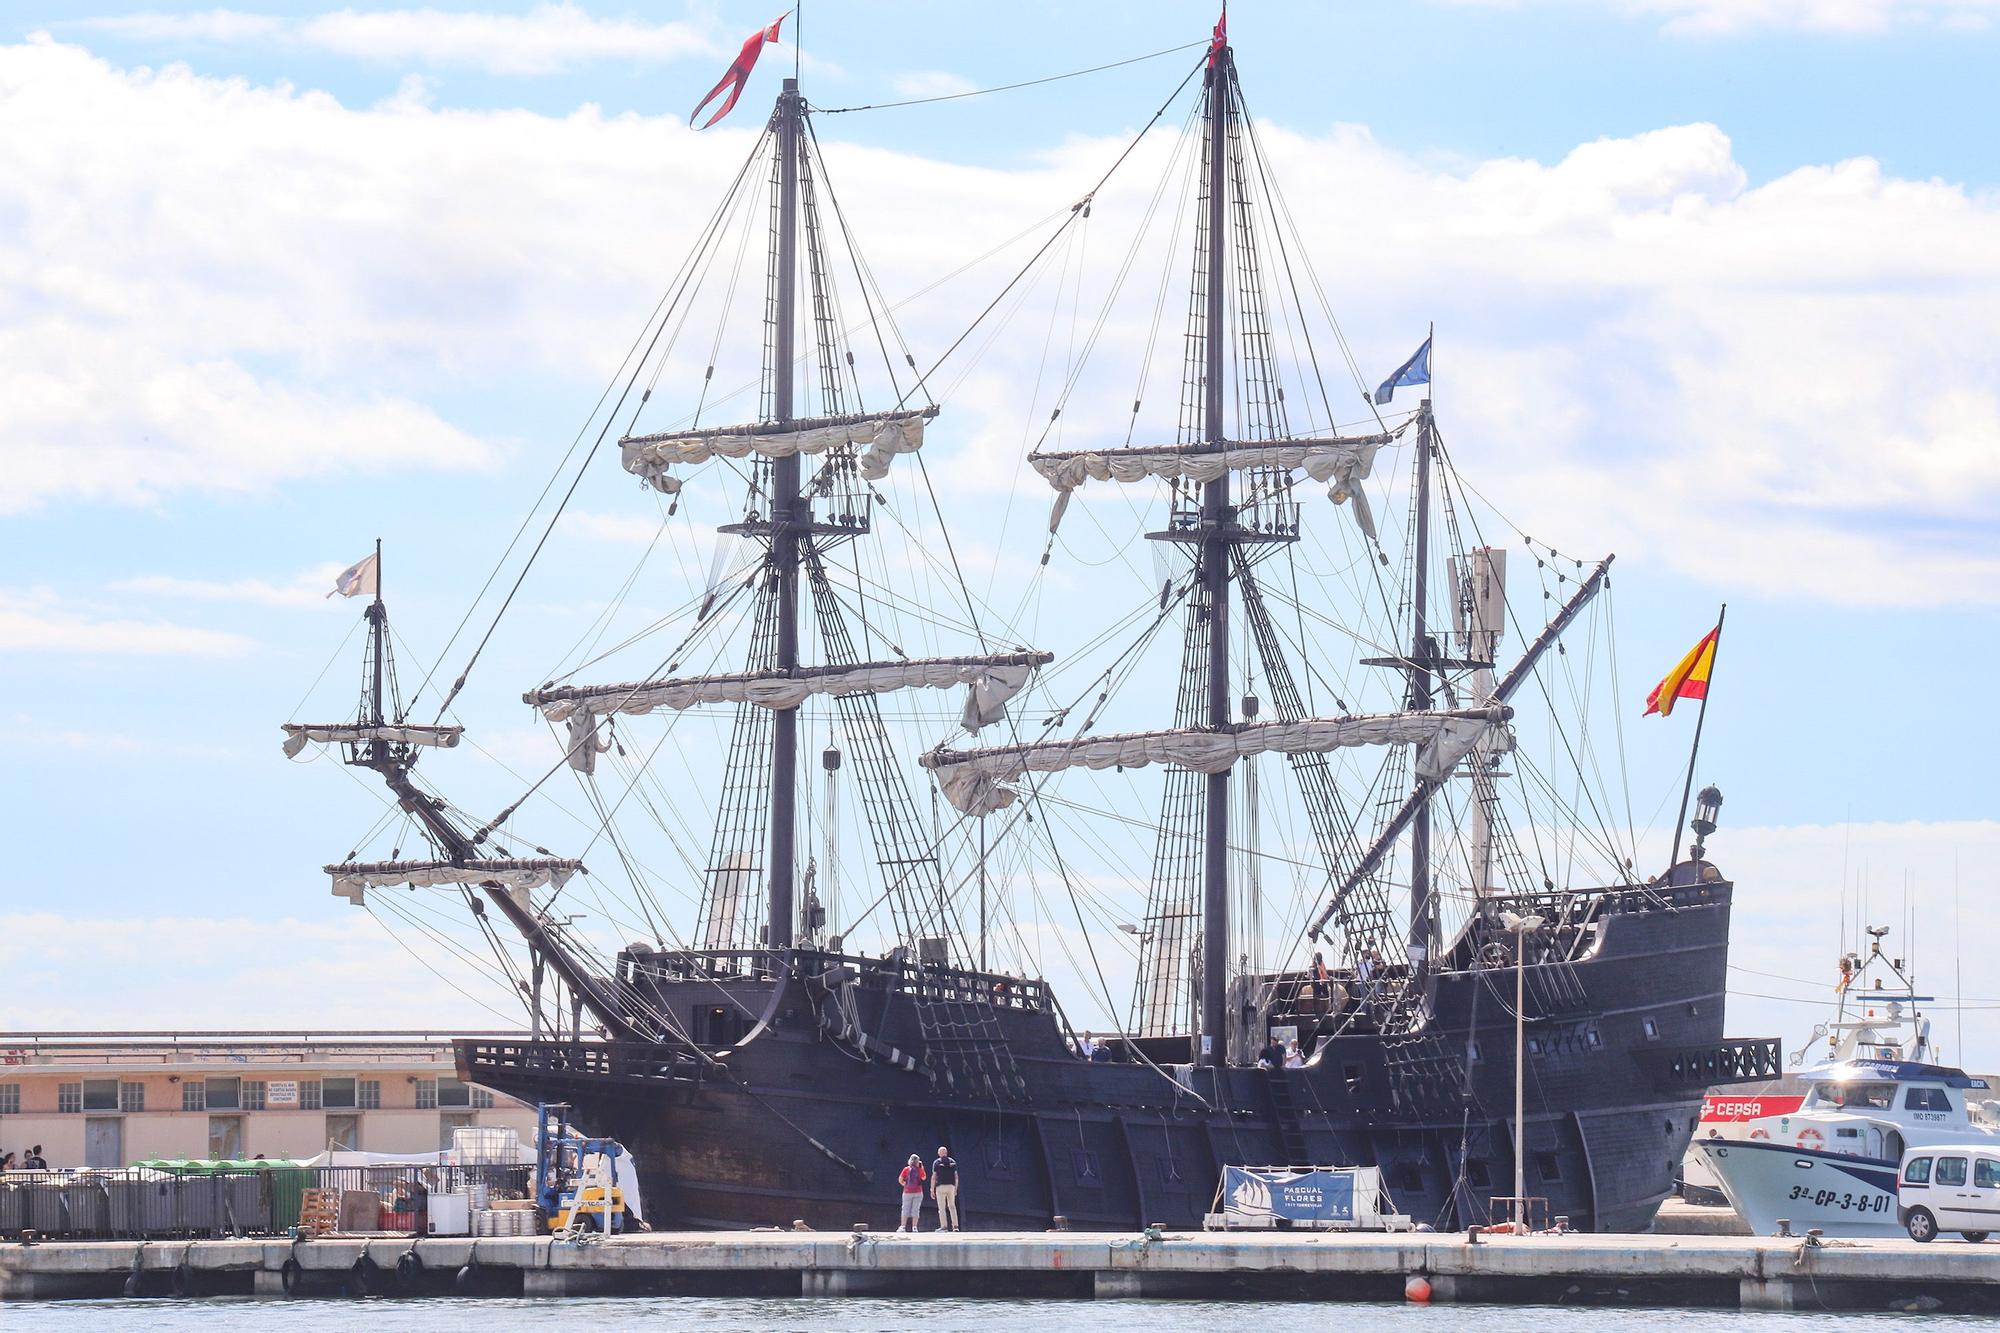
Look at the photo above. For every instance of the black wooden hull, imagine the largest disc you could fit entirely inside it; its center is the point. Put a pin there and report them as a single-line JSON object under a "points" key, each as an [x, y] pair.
{"points": [[803, 1126]]}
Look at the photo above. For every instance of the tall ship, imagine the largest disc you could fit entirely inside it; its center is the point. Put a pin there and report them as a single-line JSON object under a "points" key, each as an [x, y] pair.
{"points": [[1271, 782]]}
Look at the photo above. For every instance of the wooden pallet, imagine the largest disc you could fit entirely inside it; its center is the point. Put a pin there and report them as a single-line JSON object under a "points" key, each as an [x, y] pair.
{"points": [[319, 1211]]}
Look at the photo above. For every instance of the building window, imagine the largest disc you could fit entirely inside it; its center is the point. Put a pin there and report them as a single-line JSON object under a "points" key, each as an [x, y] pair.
{"points": [[337, 1094], [100, 1094], [452, 1092], [369, 1094], [1651, 1028], [482, 1099], [69, 1097], [225, 1137], [253, 1095], [427, 1095], [131, 1096], [309, 1095], [10, 1099], [194, 1095], [225, 1094], [1548, 1166]]}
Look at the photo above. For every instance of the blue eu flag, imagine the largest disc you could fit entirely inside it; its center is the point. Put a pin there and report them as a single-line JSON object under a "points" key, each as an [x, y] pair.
{"points": [[1417, 370]]}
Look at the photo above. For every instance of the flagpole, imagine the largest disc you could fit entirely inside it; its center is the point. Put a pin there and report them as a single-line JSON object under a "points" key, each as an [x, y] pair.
{"points": [[1680, 821]]}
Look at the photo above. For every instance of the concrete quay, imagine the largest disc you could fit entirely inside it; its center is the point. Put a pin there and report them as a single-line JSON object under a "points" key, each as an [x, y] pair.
{"points": [[1750, 1272]]}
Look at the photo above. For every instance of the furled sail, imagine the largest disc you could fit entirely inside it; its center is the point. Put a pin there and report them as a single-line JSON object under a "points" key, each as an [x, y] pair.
{"points": [[352, 879], [881, 435], [972, 779], [993, 678], [1342, 462], [297, 734]]}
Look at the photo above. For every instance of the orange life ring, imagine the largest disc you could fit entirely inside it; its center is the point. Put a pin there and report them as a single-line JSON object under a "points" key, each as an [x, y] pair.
{"points": [[1810, 1138], [1760, 1133]]}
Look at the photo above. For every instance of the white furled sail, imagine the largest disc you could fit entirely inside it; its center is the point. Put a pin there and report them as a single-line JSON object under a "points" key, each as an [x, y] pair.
{"points": [[881, 435], [1341, 462], [972, 779], [993, 678], [297, 734], [352, 879]]}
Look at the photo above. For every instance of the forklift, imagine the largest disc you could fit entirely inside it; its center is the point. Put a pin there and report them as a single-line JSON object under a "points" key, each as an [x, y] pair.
{"points": [[577, 1178]]}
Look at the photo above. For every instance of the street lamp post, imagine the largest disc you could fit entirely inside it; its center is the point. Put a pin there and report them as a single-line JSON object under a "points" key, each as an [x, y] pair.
{"points": [[1519, 927]]}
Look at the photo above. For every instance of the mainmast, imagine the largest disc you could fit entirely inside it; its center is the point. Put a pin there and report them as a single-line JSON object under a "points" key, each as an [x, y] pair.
{"points": [[784, 528], [1216, 522], [1422, 655]]}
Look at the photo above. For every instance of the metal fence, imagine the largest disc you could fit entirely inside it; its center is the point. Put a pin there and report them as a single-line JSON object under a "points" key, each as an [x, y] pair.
{"points": [[144, 1204]]}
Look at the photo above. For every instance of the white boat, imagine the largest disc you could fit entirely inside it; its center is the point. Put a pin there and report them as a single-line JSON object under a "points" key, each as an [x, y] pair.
{"points": [[1832, 1163]]}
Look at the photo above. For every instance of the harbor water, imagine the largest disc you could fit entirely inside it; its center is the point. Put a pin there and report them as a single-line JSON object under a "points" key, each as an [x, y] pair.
{"points": [[724, 1315]]}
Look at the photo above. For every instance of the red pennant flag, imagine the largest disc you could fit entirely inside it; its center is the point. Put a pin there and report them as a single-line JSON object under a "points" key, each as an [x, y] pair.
{"points": [[1221, 38], [739, 72]]}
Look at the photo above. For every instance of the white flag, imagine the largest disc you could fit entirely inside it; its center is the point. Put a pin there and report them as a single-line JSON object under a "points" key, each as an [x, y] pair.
{"points": [[358, 578]]}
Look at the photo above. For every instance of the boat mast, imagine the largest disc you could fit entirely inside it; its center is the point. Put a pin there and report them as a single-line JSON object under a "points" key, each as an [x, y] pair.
{"points": [[378, 633], [784, 528], [1422, 653], [1216, 522]]}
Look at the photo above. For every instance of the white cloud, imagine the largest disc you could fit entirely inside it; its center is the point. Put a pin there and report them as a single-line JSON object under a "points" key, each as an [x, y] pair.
{"points": [[931, 83], [307, 589], [169, 971], [1724, 17], [634, 529], [1635, 345], [36, 621], [546, 39]]}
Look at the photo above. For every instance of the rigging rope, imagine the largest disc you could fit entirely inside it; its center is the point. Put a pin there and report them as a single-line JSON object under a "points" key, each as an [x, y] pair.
{"points": [[1010, 87]]}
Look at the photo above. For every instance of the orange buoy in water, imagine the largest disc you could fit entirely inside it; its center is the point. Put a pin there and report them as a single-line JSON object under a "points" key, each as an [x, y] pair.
{"points": [[1417, 1288]]}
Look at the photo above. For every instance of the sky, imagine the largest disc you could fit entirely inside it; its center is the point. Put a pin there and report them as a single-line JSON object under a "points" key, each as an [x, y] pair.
{"points": [[1713, 283]]}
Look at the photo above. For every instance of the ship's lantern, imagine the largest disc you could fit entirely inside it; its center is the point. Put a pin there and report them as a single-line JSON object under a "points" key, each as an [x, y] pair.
{"points": [[1707, 809]]}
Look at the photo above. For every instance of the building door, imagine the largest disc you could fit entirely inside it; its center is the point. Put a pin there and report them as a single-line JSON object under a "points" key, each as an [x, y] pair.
{"points": [[104, 1143], [343, 1133]]}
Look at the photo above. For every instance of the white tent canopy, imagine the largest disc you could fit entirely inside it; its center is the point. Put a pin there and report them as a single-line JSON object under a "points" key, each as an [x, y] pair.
{"points": [[972, 779]]}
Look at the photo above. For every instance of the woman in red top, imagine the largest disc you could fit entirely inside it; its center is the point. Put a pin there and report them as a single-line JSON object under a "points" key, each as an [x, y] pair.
{"points": [[913, 1194]]}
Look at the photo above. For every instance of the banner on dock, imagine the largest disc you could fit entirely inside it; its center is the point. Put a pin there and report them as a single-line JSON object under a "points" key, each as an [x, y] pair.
{"points": [[1252, 1193]]}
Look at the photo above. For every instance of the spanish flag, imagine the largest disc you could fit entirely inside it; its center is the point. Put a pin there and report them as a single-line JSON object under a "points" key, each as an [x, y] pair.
{"points": [[1688, 679]]}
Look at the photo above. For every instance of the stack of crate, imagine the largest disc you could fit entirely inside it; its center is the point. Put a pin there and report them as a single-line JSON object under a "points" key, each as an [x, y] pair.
{"points": [[319, 1212]]}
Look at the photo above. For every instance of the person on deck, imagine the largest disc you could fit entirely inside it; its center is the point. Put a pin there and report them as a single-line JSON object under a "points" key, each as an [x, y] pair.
{"points": [[1272, 1056], [1100, 1053], [1322, 984], [944, 1189], [912, 1179], [7, 1162], [1294, 1057], [34, 1161], [1087, 1048]]}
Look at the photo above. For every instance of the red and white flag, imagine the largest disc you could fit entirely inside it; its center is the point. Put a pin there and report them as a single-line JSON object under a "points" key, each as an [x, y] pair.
{"points": [[739, 72]]}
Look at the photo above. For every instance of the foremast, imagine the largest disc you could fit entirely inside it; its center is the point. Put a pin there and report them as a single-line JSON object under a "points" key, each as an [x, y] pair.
{"points": [[382, 740], [785, 530]]}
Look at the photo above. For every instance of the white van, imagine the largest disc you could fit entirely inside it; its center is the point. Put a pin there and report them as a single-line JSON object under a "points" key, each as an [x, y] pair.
{"points": [[1946, 1187]]}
